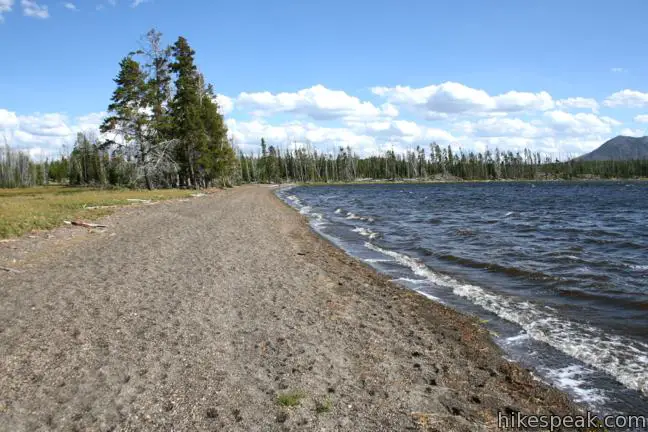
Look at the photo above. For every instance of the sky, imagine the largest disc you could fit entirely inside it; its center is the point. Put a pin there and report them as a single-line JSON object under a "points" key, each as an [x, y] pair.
{"points": [[556, 77]]}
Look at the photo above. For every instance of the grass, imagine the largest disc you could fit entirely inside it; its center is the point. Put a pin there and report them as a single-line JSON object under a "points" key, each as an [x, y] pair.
{"points": [[24, 210], [290, 399], [323, 406]]}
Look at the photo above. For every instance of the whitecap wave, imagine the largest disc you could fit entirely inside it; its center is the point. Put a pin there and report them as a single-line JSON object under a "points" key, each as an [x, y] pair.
{"points": [[377, 260], [356, 217], [365, 232], [410, 280], [573, 379], [430, 296], [624, 358]]}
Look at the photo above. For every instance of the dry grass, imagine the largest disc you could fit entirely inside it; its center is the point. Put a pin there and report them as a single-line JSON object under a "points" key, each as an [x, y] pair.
{"points": [[41, 208]]}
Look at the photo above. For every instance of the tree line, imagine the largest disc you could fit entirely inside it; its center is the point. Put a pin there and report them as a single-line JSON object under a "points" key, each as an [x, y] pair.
{"points": [[90, 164], [272, 165]]}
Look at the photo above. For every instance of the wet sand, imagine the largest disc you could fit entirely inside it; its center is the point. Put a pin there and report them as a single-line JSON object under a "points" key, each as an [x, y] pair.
{"points": [[218, 313]]}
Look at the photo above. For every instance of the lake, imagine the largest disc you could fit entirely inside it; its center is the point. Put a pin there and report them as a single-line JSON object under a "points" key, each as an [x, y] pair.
{"points": [[558, 271]]}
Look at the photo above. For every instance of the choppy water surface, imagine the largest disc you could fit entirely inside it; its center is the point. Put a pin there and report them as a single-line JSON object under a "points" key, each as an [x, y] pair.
{"points": [[559, 270]]}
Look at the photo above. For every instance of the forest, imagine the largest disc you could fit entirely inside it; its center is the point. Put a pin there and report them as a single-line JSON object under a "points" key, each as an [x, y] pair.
{"points": [[91, 164], [164, 129]]}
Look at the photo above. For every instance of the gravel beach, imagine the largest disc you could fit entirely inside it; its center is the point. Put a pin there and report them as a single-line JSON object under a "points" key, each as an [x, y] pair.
{"points": [[226, 312]]}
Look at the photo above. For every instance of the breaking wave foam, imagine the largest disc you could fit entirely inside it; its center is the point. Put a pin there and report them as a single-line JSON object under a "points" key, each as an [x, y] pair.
{"points": [[572, 377], [624, 358], [356, 217], [365, 232]]}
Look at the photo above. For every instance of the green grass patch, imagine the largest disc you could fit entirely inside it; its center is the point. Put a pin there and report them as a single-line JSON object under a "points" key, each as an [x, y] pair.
{"points": [[23, 210], [290, 399], [323, 406]]}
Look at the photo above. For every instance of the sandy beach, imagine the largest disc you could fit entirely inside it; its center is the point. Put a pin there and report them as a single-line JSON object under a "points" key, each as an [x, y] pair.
{"points": [[226, 312]]}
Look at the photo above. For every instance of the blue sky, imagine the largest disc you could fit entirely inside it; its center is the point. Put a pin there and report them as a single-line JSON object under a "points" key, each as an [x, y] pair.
{"points": [[555, 76]]}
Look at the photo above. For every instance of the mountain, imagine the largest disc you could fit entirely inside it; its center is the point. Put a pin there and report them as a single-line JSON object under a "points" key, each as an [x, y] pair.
{"points": [[619, 148]]}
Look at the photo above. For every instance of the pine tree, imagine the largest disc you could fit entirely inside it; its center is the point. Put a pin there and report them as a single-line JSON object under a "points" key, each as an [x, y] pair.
{"points": [[186, 111], [217, 158], [127, 115], [158, 85]]}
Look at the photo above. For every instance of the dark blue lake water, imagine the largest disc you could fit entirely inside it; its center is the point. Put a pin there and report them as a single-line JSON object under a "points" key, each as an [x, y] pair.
{"points": [[559, 270]]}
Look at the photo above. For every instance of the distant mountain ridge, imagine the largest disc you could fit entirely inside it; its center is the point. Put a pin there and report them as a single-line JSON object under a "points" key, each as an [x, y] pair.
{"points": [[619, 148]]}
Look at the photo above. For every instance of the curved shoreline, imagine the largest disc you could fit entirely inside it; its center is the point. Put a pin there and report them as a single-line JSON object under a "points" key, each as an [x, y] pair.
{"points": [[210, 313]]}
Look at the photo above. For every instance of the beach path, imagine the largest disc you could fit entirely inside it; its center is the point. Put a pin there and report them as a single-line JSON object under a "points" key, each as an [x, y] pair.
{"points": [[226, 312]]}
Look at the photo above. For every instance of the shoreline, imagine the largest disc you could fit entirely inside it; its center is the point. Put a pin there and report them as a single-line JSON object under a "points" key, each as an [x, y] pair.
{"points": [[460, 181], [230, 312]]}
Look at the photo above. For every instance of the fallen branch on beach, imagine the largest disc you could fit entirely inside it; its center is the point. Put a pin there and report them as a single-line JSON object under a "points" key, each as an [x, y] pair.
{"points": [[10, 270], [85, 224], [100, 207], [143, 201]]}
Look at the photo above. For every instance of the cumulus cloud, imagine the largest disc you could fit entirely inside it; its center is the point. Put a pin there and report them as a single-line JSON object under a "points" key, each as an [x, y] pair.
{"points": [[32, 9], [401, 132], [8, 119], [327, 119], [247, 135], [437, 101], [363, 138], [641, 118], [617, 69], [5, 6], [70, 6], [580, 124], [138, 2], [633, 132], [225, 104], [627, 98], [46, 132], [317, 102], [501, 127], [578, 103]]}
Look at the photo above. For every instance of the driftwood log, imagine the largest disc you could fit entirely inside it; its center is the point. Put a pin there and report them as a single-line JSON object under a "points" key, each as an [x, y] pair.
{"points": [[10, 270], [85, 224]]}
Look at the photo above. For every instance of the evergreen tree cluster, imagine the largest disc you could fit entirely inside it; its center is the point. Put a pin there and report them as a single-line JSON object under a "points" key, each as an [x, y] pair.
{"points": [[272, 165], [164, 121]]}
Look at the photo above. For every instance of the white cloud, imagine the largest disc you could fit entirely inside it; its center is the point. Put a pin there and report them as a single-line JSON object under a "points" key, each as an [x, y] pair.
{"points": [[8, 119], [501, 127], [515, 101], [402, 132], [138, 2], [247, 136], [617, 69], [34, 10], [437, 101], [632, 132], [364, 139], [70, 6], [317, 102], [578, 103], [641, 118], [225, 104], [45, 133], [579, 124], [5, 6], [557, 133], [627, 98]]}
